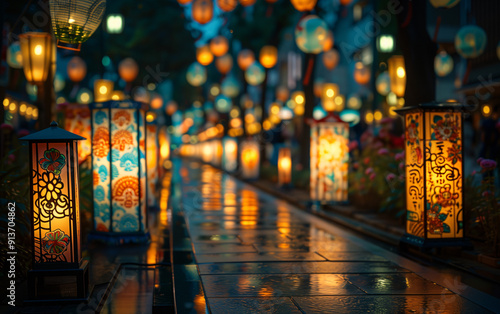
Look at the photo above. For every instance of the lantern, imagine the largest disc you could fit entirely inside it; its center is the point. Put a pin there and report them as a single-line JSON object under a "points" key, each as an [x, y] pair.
{"points": [[434, 173], [230, 87], [245, 59], [77, 69], [268, 56], [331, 59], [255, 74], [250, 159], [227, 5], [103, 90], [361, 73], [152, 158], [298, 97], [84, 96], [470, 41], [156, 101], [284, 167], [444, 3], [304, 5], [223, 104], [219, 46], [247, 3], [204, 56], [443, 64], [55, 210], [354, 102], [77, 121], [329, 159], [385, 43], [128, 69], [328, 43], [73, 22], [397, 74], [383, 83], [230, 154], [37, 50], [14, 56], [202, 10], [310, 34], [114, 24], [224, 64], [164, 144], [119, 171], [329, 94], [184, 2], [345, 2], [196, 74], [171, 107]]}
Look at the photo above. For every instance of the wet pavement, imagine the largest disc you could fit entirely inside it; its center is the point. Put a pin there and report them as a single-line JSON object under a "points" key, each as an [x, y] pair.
{"points": [[257, 254]]}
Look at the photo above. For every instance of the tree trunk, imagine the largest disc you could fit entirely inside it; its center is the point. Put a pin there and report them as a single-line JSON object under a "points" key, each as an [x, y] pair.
{"points": [[308, 85]]}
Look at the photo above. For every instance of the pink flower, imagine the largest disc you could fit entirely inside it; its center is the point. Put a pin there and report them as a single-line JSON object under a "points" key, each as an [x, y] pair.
{"points": [[383, 151], [372, 176], [366, 160], [390, 177], [401, 165], [6, 127], [23, 132], [486, 193], [479, 160], [488, 164], [400, 156], [378, 145], [368, 170], [353, 145]]}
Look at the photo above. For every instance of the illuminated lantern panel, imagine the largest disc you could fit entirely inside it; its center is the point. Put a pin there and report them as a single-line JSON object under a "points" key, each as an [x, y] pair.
{"points": [[103, 89], [119, 168], [164, 143], [250, 159], [230, 154], [152, 162], [304, 5], [37, 50], [77, 120], [227, 5], [329, 159], [397, 75], [310, 34], [329, 94], [114, 23], [203, 11], [284, 166]]}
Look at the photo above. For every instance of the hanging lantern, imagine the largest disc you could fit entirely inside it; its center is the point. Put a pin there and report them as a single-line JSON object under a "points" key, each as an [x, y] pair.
{"points": [[361, 73], [434, 174], [55, 212], [284, 167], [223, 104], [318, 87], [299, 97], [268, 56], [304, 5], [152, 158], [470, 41], [37, 50], [128, 70], [77, 121], [345, 2], [230, 154], [15, 56], [224, 64], [383, 83], [443, 64], [282, 93], [255, 74], [84, 96], [328, 95], [230, 87], [196, 74], [328, 43], [119, 170], [250, 159], [247, 3], [329, 159], [219, 46], [184, 2], [203, 11], [103, 90], [171, 107], [204, 56], [397, 74], [156, 101], [331, 59], [227, 5], [444, 3], [73, 22], [77, 69], [311, 34], [245, 59], [354, 102]]}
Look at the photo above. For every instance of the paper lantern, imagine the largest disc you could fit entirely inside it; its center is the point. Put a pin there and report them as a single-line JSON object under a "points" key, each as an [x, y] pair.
{"points": [[204, 56], [443, 64], [152, 161], [247, 3], [470, 41], [329, 159], [250, 159], [202, 10], [330, 92], [77, 69], [15, 56], [310, 34], [103, 90], [184, 2], [84, 96], [444, 3], [299, 97], [196, 74], [37, 50], [223, 104], [397, 75], [164, 144], [383, 83], [230, 154], [345, 2], [119, 170], [304, 5], [114, 24], [55, 213], [156, 101], [284, 167], [282, 93], [434, 173], [354, 102], [171, 107], [224, 64], [227, 5], [329, 41], [74, 21], [128, 69], [230, 87], [331, 59], [245, 59], [268, 56], [361, 73], [255, 74], [219, 46], [77, 121]]}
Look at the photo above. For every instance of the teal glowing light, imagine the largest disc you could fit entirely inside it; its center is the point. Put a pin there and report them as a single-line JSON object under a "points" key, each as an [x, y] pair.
{"points": [[350, 116], [311, 34], [196, 74], [223, 104], [255, 74], [230, 87], [470, 41]]}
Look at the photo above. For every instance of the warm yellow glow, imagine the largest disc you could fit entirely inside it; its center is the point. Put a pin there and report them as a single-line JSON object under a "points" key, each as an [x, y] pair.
{"points": [[38, 50], [486, 110], [368, 117], [274, 119], [267, 125], [377, 115], [115, 95], [22, 108], [29, 111], [330, 92], [150, 117], [35, 113], [284, 166], [204, 56], [84, 97], [397, 74], [249, 118], [6, 102], [299, 110], [298, 97], [234, 113], [103, 90], [401, 72], [250, 156], [38, 54], [268, 56], [186, 138], [214, 90], [275, 109], [12, 107]]}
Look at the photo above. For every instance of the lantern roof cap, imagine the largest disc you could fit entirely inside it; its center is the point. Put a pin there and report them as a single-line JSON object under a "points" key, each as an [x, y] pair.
{"points": [[330, 117], [52, 133], [123, 104], [436, 106]]}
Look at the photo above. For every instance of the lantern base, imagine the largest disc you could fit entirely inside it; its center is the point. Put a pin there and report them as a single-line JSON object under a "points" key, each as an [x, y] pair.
{"points": [[118, 238], [59, 285], [409, 240]]}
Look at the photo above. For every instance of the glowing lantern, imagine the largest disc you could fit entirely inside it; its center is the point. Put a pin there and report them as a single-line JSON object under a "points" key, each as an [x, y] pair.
{"points": [[227, 5], [196, 74], [255, 74], [117, 95], [311, 34], [230, 154], [268, 56], [354, 102], [470, 41], [329, 159], [284, 167], [164, 143], [14, 56], [443, 64], [152, 158], [204, 56], [156, 101], [444, 3], [361, 73], [77, 69], [184, 2], [73, 22], [77, 121], [103, 90], [37, 50], [119, 170], [285, 113], [282, 93], [219, 46], [434, 173], [250, 159], [171, 107], [383, 83], [318, 87], [128, 69], [345, 2], [304, 5], [55, 212], [245, 59], [331, 59], [202, 10], [223, 104], [224, 64], [385, 43], [247, 3], [330, 92], [299, 97], [114, 24], [397, 74], [84, 96], [230, 87]]}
